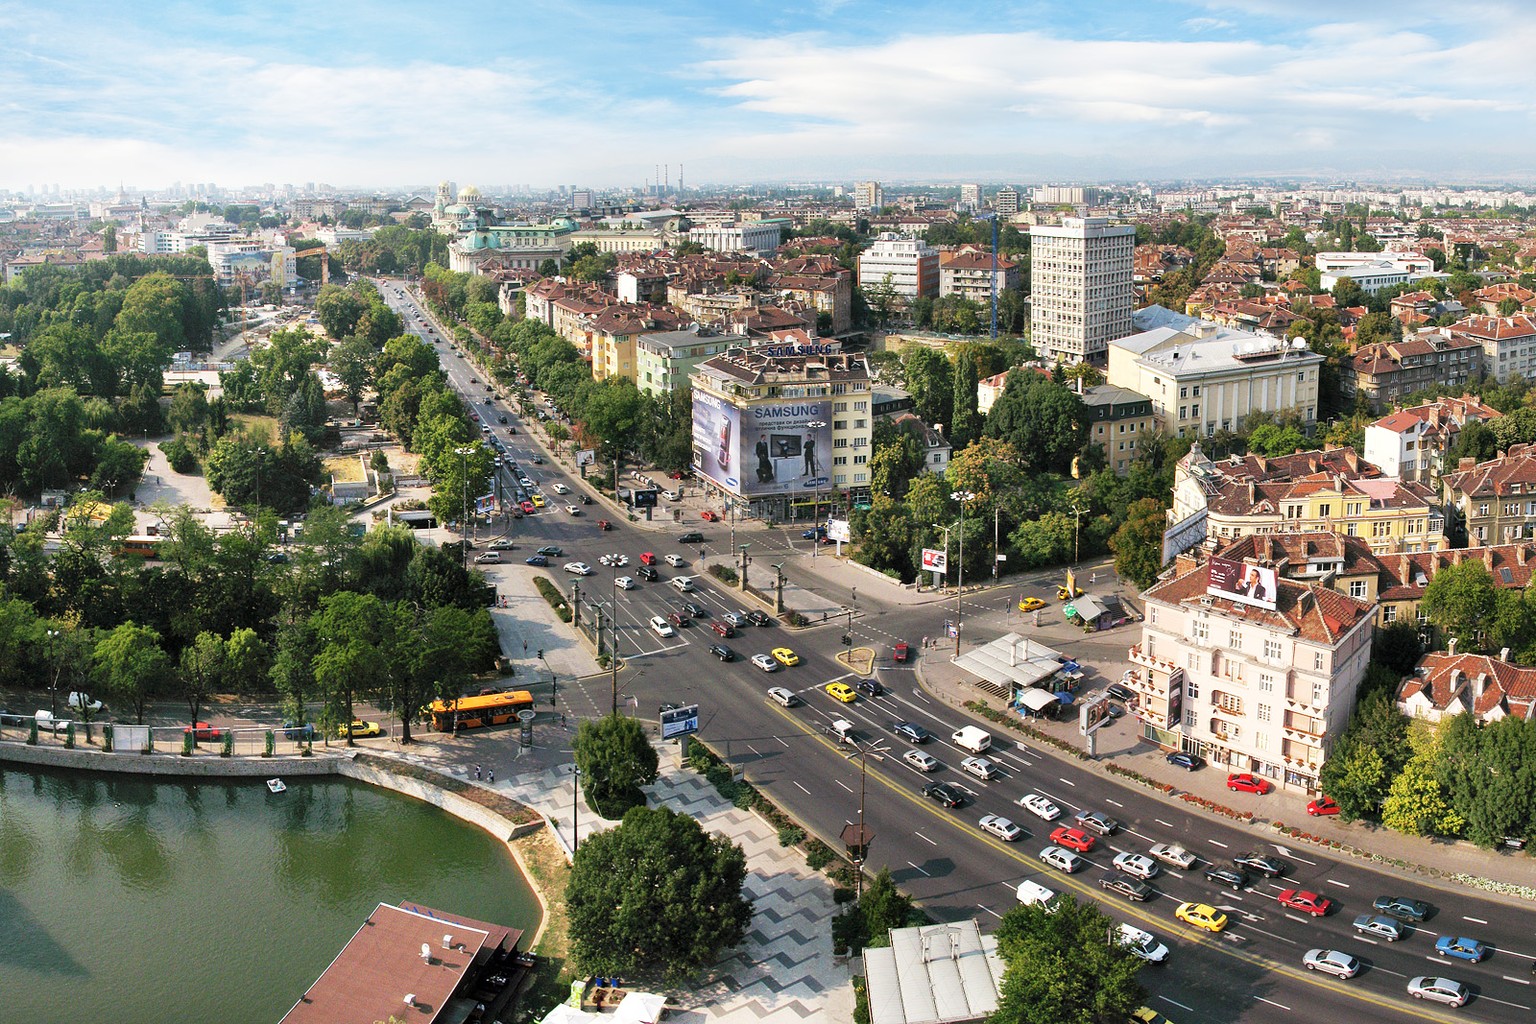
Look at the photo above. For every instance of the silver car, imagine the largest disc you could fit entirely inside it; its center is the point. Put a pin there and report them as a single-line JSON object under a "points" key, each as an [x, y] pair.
{"points": [[1331, 961], [1062, 860], [1439, 990], [979, 767], [1378, 927], [1137, 865], [1004, 829]]}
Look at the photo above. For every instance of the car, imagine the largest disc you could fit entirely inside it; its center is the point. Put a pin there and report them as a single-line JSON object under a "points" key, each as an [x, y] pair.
{"points": [[1439, 990], [722, 652], [503, 421], [202, 732], [538, 501], [1004, 829], [661, 627], [1173, 855], [980, 767], [944, 794], [684, 584], [1378, 927], [1230, 878], [526, 507], [1064, 861], [488, 558], [1263, 863], [551, 551], [786, 657], [503, 544], [1130, 888], [1322, 806], [695, 609], [901, 652], [1137, 865], [759, 618], [765, 663], [1189, 762], [1073, 839], [1402, 907], [1117, 692], [691, 537], [293, 730], [842, 692], [1143, 945], [678, 619], [870, 688], [358, 728], [1305, 901], [724, 629], [1032, 893], [737, 619], [911, 732], [536, 560], [921, 760], [1030, 604], [647, 573], [708, 515], [1462, 948], [1096, 822], [1247, 782], [82, 702], [1040, 807], [560, 488], [625, 583], [1201, 915], [813, 533], [1331, 961], [586, 499], [676, 561], [783, 697], [537, 460], [1066, 593], [579, 568], [574, 510]]}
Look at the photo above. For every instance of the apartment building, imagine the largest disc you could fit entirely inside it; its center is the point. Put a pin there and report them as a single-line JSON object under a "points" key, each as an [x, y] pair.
{"points": [[1260, 684], [970, 196], [1066, 195], [971, 275], [1509, 342], [1494, 502], [1386, 371], [911, 265], [868, 196], [760, 236], [1203, 377], [1410, 444], [1447, 683], [1006, 203], [1118, 419], [666, 359], [1080, 287]]}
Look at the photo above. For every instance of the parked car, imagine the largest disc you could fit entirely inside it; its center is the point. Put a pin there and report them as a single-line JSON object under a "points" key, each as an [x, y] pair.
{"points": [[358, 728], [1120, 693], [1247, 782], [298, 731], [1189, 762], [202, 732], [82, 702], [1322, 806]]}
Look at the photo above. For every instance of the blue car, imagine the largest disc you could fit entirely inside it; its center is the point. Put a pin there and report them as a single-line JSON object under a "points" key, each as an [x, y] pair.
{"points": [[815, 534], [1189, 762], [298, 731], [536, 560], [1466, 949]]}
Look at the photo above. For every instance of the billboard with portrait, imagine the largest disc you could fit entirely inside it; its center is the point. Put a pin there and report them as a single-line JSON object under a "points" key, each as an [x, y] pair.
{"points": [[764, 449], [1241, 582]]}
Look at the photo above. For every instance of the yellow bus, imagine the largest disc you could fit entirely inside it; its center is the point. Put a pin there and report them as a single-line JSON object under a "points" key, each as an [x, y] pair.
{"points": [[486, 709], [144, 547]]}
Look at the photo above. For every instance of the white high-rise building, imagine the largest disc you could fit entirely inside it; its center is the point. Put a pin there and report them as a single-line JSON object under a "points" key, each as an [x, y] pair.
{"points": [[867, 195], [1080, 288], [970, 197], [1007, 201]]}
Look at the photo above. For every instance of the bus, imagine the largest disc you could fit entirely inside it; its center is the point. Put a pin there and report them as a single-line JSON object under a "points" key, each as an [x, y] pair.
{"points": [[486, 709], [143, 547]]}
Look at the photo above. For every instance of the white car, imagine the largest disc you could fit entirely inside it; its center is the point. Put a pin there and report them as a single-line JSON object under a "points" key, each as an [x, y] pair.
{"points": [[1143, 944], [579, 568], [1004, 829], [47, 723], [676, 561], [82, 702], [1040, 807], [624, 583], [980, 767], [1137, 865], [1439, 990], [1331, 961], [574, 510], [782, 697], [764, 662], [1062, 860], [661, 627], [737, 619], [1172, 855], [923, 762], [561, 489], [683, 583]]}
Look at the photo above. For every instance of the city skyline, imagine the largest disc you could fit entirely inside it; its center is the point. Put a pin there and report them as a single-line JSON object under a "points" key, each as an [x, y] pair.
{"points": [[599, 94]]}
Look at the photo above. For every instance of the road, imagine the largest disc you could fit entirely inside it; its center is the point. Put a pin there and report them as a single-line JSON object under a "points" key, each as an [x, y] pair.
{"points": [[1250, 972]]}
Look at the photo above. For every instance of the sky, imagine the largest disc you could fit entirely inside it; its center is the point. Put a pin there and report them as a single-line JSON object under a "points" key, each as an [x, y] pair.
{"points": [[390, 94]]}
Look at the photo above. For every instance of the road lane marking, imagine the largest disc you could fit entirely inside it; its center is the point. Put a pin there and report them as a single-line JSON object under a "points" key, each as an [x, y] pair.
{"points": [[1474, 920], [802, 788], [1335, 881], [916, 868], [754, 750], [1502, 1002], [1215, 843], [1068, 782], [1114, 803], [925, 839], [1517, 981], [1165, 824], [1175, 1002], [841, 783], [990, 911], [1261, 931], [1271, 1002]]}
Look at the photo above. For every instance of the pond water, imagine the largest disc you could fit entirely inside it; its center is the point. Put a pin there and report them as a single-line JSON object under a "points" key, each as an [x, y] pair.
{"points": [[127, 899]]}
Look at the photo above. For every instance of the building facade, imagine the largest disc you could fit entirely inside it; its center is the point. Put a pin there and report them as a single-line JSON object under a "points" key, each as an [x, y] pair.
{"points": [[911, 265], [1249, 687], [1118, 418], [760, 236], [1494, 502], [1509, 342], [1410, 444], [1080, 287], [970, 275], [1006, 203], [868, 196], [1386, 371], [666, 359]]}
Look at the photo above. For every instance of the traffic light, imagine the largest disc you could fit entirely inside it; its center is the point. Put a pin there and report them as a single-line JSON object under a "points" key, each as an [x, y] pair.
{"points": [[847, 640]]}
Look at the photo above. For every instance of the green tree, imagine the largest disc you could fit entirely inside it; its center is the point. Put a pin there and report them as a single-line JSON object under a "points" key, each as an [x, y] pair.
{"points": [[132, 667], [929, 376], [202, 667], [1045, 422], [1369, 753], [966, 422], [1459, 601], [1059, 968], [1417, 802], [656, 894], [1274, 441], [353, 634], [615, 759], [352, 362], [1486, 770], [1476, 440], [1138, 543], [886, 536], [1046, 540]]}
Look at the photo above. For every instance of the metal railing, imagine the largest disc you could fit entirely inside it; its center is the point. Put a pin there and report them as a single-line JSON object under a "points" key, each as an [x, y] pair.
{"points": [[125, 738]]}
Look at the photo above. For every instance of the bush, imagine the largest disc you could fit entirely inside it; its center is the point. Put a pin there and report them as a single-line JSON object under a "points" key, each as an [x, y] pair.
{"points": [[794, 618], [790, 835], [817, 854], [724, 574], [745, 796], [842, 894], [179, 454], [552, 595]]}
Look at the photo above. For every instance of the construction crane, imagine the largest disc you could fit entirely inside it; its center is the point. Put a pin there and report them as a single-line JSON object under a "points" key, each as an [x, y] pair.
{"points": [[325, 262]]}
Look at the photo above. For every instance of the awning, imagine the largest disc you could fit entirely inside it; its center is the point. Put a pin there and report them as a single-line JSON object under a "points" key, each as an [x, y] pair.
{"points": [[1088, 608], [1036, 700], [1065, 697]]}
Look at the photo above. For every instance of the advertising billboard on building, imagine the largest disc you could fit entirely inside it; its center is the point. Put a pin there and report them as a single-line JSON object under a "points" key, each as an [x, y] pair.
{"points": [[1241, 582], [764, 449]]}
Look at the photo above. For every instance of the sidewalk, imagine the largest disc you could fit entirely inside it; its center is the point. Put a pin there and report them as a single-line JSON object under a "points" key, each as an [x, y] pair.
{"points": [[1120, 744]]}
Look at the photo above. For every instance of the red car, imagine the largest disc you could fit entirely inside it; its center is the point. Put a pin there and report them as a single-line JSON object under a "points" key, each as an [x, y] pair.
{"points": [[202, 732], [708, 516], [1248, 783], [902, 652], [1321, 806], [527, 507], [647, 558], [1306, 902], [1073, 839]]}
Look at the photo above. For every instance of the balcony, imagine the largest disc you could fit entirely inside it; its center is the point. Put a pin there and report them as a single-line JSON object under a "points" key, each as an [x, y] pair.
{"points": [[1136, 657], [1304, 725]]}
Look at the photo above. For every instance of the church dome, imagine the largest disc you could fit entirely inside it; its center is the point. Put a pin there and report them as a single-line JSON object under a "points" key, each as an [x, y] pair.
{"points": [[469, 194]]}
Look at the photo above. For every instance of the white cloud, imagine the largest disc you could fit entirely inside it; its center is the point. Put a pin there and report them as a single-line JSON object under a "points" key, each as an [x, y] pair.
{"points": [[1207, 24]]}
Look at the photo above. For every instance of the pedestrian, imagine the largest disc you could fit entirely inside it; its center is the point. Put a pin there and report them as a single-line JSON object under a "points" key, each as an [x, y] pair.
{"points": [[477, 773], [491, 776], [562, 719], [525, 646]]}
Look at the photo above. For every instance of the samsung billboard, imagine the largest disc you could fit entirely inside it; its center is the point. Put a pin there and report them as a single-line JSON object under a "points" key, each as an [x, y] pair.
{"points": [[767, 448]]}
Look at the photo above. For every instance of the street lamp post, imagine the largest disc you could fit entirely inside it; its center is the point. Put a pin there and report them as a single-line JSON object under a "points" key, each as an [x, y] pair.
{"points": [[53, 691], [962, 497], [816, 514], [613, 643], [575, 812], [464, 452]]}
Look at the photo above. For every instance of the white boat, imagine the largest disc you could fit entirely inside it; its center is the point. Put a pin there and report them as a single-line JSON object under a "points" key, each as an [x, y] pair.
{"points": [[277, 786]]}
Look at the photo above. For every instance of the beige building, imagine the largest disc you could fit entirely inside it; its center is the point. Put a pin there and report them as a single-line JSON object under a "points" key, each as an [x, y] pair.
{"points": [[1117, 420], [1494, 501], [1081, 292], [1249, 688]]}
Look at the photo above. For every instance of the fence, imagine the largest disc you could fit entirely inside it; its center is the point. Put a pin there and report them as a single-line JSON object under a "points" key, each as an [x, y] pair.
{"points": [[125, 738]]}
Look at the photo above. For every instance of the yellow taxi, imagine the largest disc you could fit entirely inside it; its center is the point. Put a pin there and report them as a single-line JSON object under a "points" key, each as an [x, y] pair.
{"points": [[357, 729], [1030, 604], [842, 692], [538, 501], [1201, 915], [786, 657]]}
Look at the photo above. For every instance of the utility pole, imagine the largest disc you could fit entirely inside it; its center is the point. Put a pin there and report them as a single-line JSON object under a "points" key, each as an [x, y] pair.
{"points": [[744, 566], [996, 512], [962, 497], [613, 653]]}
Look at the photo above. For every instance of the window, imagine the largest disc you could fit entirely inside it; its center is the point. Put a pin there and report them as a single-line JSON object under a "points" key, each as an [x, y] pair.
{"points": [[1273, 651], [839, 406], [1200, 629], [839, 424], [1230, 704], [1260, 741], [1194, 410], [1264, 712], [860, 406], [1511, 508], [1319, 694], [860, 424], [1319, 659], [839, 460], [839, 442], [1195, 392], [1482, 509], [1357, 588], [1191, 688], [1152, 615], [1235, 639], [1302, 375], [1389, 613], [859, 460], [1189, 719], [1183, 412], [1266, 682], [1183, 392]]}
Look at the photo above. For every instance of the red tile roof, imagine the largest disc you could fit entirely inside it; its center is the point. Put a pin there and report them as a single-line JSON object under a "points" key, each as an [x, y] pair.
{"points": [[1311, 611], [1487, 686]]}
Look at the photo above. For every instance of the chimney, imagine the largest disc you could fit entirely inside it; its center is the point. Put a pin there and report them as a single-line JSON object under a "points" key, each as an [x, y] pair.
{"points": [[1504, 654], [1488, 558], [1404, 563], [1450, 647], [1520, 554], [1478, 686], [1465, 463]]}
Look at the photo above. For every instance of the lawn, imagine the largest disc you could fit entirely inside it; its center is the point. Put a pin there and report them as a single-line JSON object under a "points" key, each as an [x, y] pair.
{"points": [[346, 469]]}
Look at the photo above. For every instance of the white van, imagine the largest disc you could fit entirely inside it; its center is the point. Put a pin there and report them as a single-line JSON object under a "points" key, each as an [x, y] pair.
{"points": [[489, 556], [683, 583], [1037, 894], [971, 738], [660, 626]]}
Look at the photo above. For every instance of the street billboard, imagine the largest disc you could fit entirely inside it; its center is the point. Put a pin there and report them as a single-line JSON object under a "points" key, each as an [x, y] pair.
{"points": [[1241, 582], [763, 449], [840, 530], [676, 721], [935, 560], [586, 457]]}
